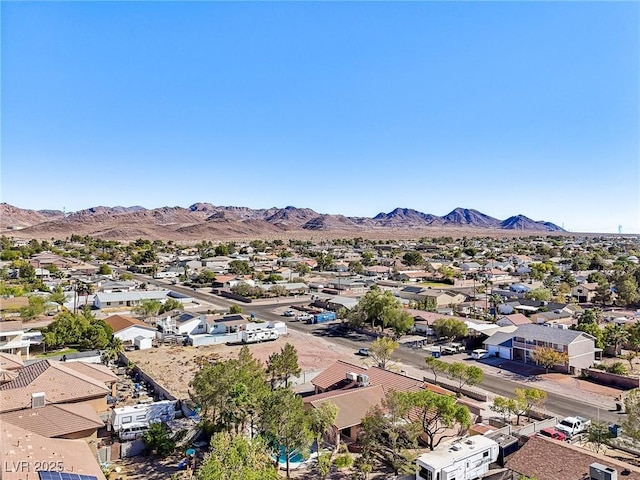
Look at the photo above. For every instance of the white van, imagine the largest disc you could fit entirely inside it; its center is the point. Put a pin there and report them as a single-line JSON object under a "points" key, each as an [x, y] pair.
{"points": [[132, 431], [479, 354]]}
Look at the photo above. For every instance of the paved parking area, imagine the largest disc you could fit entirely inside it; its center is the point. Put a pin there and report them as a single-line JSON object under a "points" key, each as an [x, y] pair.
{"points": [[522, 369]]}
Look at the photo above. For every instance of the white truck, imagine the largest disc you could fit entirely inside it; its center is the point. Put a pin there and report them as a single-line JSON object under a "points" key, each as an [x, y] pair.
{"points": [[571, 426]]}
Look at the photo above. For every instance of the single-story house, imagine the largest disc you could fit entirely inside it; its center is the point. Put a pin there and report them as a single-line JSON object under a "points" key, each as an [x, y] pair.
{"points": [[584, 292], [547, 459], [127, 299], [128, 328], [516, 319]]}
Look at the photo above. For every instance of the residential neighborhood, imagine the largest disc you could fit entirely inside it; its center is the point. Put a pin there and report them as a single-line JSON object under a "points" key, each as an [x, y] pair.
{"points": [[355, 343]]}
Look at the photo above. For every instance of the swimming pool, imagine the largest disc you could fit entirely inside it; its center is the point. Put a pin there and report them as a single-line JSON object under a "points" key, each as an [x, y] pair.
{"points": [[294, 457]]}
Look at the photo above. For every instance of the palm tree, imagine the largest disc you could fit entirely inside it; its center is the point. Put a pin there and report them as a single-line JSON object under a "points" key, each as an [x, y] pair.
{"points": [[495, 301], [112, 351], [615, 336]]}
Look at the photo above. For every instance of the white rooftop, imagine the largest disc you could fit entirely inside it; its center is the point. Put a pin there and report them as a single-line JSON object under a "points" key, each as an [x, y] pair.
{"points": [[449, 453]]}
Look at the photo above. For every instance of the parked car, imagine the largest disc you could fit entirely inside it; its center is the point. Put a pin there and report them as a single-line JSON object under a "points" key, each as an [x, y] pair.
{"points": [[458, 347], [364, 352], [289, 313], [448, 350], [552, 433], [304, 317], [479, 354]]}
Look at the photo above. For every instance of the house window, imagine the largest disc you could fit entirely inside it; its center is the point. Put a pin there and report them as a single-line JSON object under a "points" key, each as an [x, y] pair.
{"points": [[485, 454]]}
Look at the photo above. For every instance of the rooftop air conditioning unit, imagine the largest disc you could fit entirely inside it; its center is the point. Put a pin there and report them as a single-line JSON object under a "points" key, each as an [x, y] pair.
{"points": [[598, 471], [363, 380], [352, 376], [37, 400]]}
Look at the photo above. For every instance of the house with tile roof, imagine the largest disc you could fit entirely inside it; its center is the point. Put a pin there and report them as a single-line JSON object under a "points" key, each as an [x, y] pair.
{"points": [[9, 361], [77, 421], [547, 459], [128, 328], [31, 452], [49, 382]]}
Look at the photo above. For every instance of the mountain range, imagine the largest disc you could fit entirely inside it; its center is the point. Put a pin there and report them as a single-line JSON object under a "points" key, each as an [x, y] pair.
{"points": [[204, 220]]}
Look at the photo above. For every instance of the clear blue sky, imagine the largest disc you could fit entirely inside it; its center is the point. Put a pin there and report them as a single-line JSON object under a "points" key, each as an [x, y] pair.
{"points": [[354, 108]]}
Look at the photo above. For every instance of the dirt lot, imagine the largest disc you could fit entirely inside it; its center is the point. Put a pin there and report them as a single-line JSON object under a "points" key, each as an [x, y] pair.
{"points": [[174, 367]]}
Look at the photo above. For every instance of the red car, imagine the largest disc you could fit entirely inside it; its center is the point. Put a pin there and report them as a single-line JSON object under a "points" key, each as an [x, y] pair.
{"points": [[552, 433]]}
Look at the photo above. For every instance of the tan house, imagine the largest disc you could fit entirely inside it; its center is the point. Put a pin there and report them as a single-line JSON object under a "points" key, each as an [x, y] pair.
{"points": [[75, 421], [49, 382], [29, 450], [585, 292]]}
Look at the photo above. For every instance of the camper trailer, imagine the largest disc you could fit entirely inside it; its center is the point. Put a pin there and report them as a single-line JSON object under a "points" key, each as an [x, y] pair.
{"points": [[259, 335], [164, 411], [467, 459]]}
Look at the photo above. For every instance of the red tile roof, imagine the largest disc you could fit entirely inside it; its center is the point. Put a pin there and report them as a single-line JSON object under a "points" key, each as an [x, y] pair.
{"points": [[353, 405], [120, 322], [33, 449], [55, 420], [335, 377], [547, 459], [59, 383]]}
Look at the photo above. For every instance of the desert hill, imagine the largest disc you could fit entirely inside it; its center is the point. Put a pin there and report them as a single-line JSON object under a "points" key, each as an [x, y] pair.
{"points": [[204, 220]]}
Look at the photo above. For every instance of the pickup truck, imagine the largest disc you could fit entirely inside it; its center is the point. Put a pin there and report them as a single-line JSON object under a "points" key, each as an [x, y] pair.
{"points": [[571, 426]]}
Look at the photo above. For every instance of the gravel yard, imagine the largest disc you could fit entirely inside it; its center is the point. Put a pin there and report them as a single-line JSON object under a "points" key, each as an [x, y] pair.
{"points": [[174, 366]]}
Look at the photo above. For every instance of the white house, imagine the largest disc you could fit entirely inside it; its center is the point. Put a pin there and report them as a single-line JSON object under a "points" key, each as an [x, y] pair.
{"points": [[127, 299], [128, 329], [183, 323]]}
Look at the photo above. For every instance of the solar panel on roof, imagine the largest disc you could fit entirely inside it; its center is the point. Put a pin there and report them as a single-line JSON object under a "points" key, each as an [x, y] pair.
{"points": [[49, 475]]}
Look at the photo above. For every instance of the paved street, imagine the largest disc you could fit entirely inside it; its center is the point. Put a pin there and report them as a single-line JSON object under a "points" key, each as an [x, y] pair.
{"points": [[569, 402]]}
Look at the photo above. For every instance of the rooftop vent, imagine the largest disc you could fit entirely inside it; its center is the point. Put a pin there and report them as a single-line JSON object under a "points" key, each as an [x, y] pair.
{"points": [[363, 380], [598, 471], [352, 376], [37, 400]]}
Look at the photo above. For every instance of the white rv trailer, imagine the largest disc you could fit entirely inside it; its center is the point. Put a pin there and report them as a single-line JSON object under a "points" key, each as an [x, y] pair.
{"points": [[143, 414], [467, 459]]}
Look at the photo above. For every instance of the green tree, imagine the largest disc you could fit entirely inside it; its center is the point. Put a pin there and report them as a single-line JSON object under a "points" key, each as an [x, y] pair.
{"points": [[594, 330], [437, 415], [400, 321], [464, 375], [615, 336], [239, 267], [104, 269], [283, 365], [548, 357], [230, 392], [222, 250], [157, 439], [632, 408], [286, 423], [412, 258], [113, 350], [57, 296], [368, 258], [527, 399], [234, 457], [171, 304], [235, 309], [147, 308], [539, 294], [302, 269], [503, 406], [35, 308], [626, 288], [387, 433], [356, 267], [381, 350], [436, 367], [598, 435], [450, 328], [375, 307], [321, 419]]}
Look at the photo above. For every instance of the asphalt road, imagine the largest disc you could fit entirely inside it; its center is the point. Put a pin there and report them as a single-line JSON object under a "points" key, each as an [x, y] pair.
{"points": [[558, 404]]}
